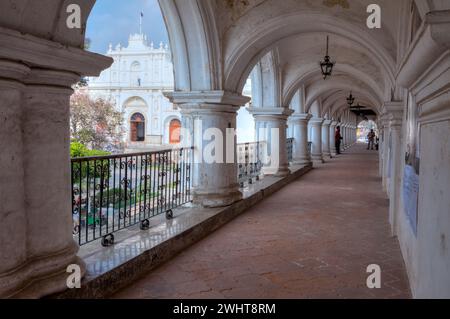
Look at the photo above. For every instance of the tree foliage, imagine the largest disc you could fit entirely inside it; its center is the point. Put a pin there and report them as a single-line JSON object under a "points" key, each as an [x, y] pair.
{"points": [[95, 123]]}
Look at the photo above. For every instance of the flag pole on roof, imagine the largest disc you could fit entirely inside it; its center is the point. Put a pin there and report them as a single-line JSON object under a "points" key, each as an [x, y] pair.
{"points": [[140, 22]]}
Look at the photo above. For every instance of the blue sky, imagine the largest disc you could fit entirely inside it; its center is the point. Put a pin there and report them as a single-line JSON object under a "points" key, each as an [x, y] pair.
{"points": [[112, 21]]}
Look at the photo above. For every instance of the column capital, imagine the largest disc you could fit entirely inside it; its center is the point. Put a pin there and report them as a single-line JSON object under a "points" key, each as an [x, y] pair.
{"points": [[18, 46], [13, 70], [300, 117], [393, 113], [395, 122], [316, 121], [280, 113], [207, 108], [207, 98], [393, 106], [327, 122], [56, 78], [334, 123], [384, 120]]}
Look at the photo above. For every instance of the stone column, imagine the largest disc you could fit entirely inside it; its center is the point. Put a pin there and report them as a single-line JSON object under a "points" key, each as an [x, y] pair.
{"points": [[48, 191], [350, 138], [317, 156], [395, 110], [36, 223], [380, 148], [326, 139], [386, 151], [42, 245], [273, 120], [210, 117], [301, 154], [344, 137], [350, 135], [13, 226], [333, 126]]}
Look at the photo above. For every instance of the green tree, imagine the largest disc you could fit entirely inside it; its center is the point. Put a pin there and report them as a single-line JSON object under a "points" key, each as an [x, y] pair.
{"points": [[95, 123]]}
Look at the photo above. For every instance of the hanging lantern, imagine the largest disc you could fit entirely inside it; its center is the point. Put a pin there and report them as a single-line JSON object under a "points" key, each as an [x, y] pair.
{"points": [[327, 65], [350, 99]]}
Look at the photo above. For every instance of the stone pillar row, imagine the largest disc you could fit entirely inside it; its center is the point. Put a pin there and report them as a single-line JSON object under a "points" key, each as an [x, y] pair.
{"points": [[322, 137], [348, 132]]}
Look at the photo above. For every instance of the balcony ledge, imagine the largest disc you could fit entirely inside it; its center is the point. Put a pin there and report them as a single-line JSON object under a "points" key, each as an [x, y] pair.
{"points": [[137, 252]]}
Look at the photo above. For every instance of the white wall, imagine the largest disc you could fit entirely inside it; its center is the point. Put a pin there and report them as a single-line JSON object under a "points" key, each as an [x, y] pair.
{"points": [[433, 277]]}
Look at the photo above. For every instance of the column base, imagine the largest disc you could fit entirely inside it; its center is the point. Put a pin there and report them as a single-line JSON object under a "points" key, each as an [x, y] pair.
{"points": [[301, 162], [317, 159], [217, 199], [277, 172], [282, 172], [42, 276]]}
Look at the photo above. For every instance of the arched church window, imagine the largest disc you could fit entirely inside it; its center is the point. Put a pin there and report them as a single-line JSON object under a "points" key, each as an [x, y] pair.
{"points": [[137, 128], [175, 131]]}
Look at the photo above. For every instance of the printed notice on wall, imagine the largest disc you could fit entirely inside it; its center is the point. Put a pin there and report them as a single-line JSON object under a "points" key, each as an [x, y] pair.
{"points": [[411, 195]]}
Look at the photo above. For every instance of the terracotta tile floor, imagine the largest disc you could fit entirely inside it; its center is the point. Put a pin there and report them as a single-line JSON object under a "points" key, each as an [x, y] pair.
{"points": [[313, 239]]}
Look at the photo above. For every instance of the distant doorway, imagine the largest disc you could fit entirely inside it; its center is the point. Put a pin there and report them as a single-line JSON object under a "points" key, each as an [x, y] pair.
{"points": [[137, 128], [174, 131]]}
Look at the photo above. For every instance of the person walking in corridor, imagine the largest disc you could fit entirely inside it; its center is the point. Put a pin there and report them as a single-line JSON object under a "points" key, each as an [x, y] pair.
{"points": [[371, 140], [338, 138]]}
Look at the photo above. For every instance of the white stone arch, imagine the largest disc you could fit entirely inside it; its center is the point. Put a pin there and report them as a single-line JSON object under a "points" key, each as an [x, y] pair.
{"points": [[318, 90], [369, 121], [337, 101], [241, 57], [256, 76], [312, 74], [266, 82], [196, 50]]}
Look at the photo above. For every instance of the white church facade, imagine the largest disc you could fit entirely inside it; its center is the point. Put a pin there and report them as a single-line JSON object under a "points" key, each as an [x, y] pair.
{"points": [[135, 83]]}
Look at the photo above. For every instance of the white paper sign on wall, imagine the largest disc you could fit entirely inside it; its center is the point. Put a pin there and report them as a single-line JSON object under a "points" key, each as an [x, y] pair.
{"points": [[411, 195]]}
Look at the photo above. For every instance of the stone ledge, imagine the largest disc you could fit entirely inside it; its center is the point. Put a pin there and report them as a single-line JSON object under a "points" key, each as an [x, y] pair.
{"points": [[138, 252]]}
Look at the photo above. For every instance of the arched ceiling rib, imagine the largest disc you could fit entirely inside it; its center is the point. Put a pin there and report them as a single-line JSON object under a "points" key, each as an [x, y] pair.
{"points": [[242, 55]]}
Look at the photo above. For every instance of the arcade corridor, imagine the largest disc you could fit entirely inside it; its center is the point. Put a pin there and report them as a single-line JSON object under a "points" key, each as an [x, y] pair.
{"points": [[313, 239]]}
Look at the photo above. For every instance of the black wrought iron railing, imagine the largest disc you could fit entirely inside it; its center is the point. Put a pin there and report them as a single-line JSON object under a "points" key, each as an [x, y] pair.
{"points": [[250, 162], [290, 149], [111, 193]]}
